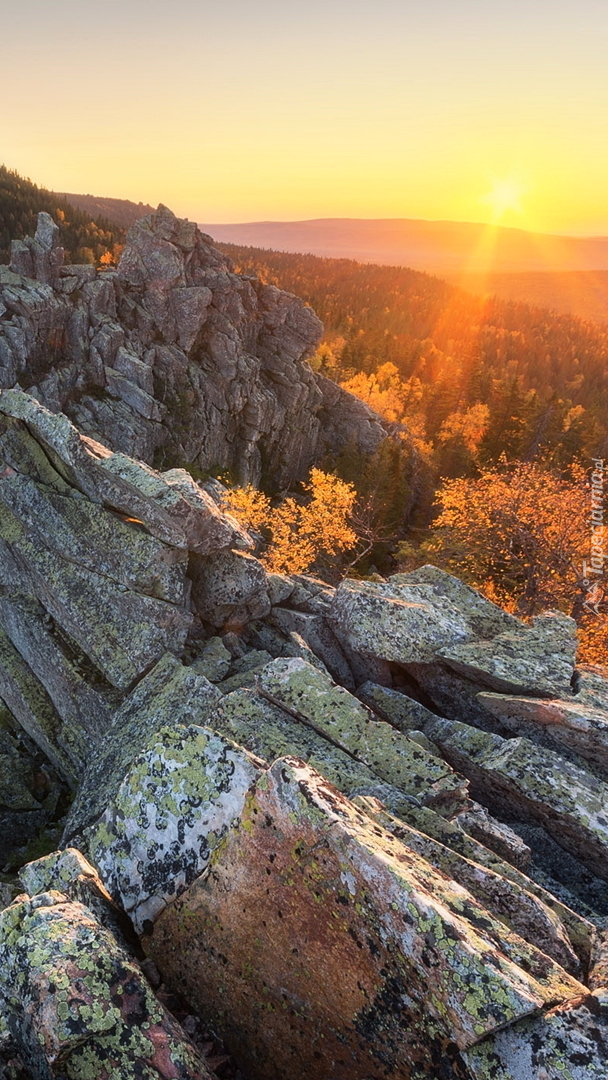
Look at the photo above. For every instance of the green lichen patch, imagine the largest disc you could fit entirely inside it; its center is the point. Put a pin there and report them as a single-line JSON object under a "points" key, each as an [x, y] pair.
{"points": [[176, 803], [331, 710], [169, 695], [77, 1005]]}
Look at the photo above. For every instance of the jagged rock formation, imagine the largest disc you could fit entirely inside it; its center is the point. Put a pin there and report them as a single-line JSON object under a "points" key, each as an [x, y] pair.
{"points": [[173, 357], [362, 830]]}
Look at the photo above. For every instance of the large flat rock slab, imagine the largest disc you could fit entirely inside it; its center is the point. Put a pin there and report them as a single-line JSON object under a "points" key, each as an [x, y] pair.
{"points": [[536, 659], [341, 953], [429, 616]]}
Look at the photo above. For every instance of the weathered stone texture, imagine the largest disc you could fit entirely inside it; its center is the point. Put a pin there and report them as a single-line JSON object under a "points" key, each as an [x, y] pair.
{"points": [[175, 356], [71, 993], [386, 971], [531, 781]]}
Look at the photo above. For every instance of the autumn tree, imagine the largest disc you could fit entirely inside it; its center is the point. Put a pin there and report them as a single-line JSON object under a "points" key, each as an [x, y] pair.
{"points": [[299, 534], [519, 533]]}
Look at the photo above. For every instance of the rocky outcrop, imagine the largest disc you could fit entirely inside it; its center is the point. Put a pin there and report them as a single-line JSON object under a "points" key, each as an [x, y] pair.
{"points": [[71, 994], [173, 357], [317, 879], [361, 829]]}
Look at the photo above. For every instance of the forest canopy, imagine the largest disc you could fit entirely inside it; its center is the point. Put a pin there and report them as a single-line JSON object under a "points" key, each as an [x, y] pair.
{"points": [[85, 239]]}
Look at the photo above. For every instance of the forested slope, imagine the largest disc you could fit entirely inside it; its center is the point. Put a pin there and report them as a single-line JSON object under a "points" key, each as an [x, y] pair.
{"points": [[85, 238]]}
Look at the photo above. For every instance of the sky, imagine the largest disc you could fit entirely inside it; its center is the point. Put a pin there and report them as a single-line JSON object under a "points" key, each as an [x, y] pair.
{"points": [[246, 110]]}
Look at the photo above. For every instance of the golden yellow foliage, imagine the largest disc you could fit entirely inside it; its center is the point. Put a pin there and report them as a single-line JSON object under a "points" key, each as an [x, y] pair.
{"points": [[593, 640], [300, 534], [470, 426], [385, 392], [521, 536], [523, 533]]}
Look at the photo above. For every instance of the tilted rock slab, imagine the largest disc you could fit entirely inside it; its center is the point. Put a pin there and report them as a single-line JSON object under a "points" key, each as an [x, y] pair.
{"points": [[519, 909], [450, 835], [573, 722], [344, 721], [269, 732], [399, 710], [77, 1005], [173, 509], [94, 591], [569, 1042], [531, 781], [319, 946], [63, 743], [429, 616]]}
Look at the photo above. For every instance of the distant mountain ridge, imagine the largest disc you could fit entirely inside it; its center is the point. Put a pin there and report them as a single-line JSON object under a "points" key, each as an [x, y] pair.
{"points": [[438, 247]]}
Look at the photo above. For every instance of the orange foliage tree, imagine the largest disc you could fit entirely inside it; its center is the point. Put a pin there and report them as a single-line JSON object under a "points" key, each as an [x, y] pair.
{"points": [[385, 392], [300, 534], [521, 535]]}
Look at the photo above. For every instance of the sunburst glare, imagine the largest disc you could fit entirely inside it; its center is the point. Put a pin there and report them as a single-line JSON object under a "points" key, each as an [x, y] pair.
{"points": [[504, 198]]}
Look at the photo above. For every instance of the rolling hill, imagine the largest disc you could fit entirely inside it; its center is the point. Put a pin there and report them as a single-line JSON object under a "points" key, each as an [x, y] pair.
{"points": [[438, 247]]}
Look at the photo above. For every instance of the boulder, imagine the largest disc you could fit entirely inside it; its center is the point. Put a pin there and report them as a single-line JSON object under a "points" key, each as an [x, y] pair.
{"points": [[229, 588], [170, 695], [70, 994], [320, 639], [428, 616], [341, 950], [397, 622], [181, 795]]}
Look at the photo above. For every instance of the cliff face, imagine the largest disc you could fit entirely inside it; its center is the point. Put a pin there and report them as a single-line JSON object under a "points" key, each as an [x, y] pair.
{"points": [[174, 358]]}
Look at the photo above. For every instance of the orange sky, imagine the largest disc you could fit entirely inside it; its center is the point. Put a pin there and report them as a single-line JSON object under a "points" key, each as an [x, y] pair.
{"points": [[474, 110]]}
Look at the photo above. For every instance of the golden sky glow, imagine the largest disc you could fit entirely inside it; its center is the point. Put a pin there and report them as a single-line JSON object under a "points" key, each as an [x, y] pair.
{"points": [[478, 110], [505, 198]]}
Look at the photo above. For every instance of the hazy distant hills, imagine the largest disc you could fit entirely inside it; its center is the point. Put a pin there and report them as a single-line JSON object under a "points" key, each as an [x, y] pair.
{"points": [[566, 274], [439, 247], [121, 212], [583, 293]]}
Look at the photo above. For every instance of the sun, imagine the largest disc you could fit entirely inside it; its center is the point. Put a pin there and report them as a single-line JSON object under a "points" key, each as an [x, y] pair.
{"points": [[504, 198]]}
